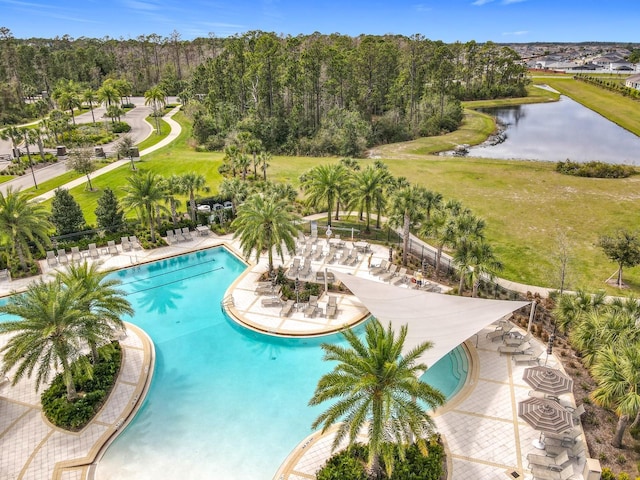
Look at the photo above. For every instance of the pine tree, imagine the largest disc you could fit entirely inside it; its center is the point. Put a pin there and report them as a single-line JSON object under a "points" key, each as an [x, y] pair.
{"points": [[109, 215], [66, 214]]}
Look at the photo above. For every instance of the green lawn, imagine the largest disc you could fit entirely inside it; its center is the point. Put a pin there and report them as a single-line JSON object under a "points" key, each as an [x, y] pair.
{"points": [[154, 138], [525, 204], [620, 110]]}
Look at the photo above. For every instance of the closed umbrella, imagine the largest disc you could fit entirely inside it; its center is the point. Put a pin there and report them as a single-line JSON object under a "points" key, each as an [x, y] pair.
{"points": [[547, 416], [548, 380]]}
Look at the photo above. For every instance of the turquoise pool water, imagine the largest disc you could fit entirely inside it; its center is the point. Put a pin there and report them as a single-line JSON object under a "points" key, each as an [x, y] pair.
{"points": [[225, 403]]}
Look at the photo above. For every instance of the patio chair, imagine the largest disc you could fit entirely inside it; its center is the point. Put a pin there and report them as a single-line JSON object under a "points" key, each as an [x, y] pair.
{"points": [[401, 280], [111, 247], [320, 276], [52, 261], [499, 332], [76, 256], [294, 268], [305, 271], [574, 452], [178, 234], [125, 244], [312, 306], [346, 259], [510, 341], [332, 307], [62, 257], [4, 381], [544, 473], [93, 251], [534, 356], [380, 269], [318, 254], [392, 272], [576, 413], [548, 461], [542, 395], [135, 243], [331, 256], [5, 274], [268, 290], [171, 238], [517, 350], [186, 233], [271, 302], [287, 308]]}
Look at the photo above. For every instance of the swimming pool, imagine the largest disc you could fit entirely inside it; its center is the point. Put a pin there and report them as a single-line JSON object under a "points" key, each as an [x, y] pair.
{"points": [[225, 402]]}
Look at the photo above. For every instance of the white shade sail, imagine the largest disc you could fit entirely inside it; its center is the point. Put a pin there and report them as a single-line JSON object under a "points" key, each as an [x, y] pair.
{"points": [[445, 320]]}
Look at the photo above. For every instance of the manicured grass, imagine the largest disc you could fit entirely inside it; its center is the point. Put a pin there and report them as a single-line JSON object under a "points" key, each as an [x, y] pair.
{"points": [[525, 204], [535, 95], [6, 178], [617, 108], [154, 137]]}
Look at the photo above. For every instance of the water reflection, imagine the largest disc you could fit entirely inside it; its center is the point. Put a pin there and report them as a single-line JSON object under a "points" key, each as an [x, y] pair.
{"points": [[559, 131]]}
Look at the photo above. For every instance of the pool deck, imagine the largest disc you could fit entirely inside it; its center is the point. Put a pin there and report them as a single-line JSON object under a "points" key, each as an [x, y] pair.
{"points": [[484, 436]]}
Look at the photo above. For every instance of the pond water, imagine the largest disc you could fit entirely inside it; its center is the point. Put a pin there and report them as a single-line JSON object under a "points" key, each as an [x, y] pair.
{"points": [[559, 131]]}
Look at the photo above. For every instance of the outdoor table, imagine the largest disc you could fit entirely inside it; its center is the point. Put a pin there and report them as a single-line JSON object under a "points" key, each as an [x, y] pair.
{"points": [[361, 246], [202, 230]]}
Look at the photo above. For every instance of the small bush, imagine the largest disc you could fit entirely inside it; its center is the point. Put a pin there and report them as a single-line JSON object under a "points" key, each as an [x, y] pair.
{"points": [[120, 127], [93, 392], [595, 169]]}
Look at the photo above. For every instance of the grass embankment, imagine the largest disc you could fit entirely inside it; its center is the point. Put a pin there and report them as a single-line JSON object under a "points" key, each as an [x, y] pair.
{"points": [[525, 204], [619, 109]]}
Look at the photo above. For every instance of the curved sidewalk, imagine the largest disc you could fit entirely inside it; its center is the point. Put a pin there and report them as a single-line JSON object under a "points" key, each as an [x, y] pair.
{"points": [[32, 448]]}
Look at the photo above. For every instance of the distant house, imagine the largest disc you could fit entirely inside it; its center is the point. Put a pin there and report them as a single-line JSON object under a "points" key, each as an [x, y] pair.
{"points": [[633, 81], [621, 66]]}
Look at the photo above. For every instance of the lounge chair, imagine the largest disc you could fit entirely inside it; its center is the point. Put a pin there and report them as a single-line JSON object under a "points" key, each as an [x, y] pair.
{"points": [[312, 306], [93, 251], [510, 341], [544, 473], [332, 307], [569, 437], [499, 332], [549, 461], [517, 350], [401, 280], [52, 261], [287, 308], [389, 274], [305, 271], [320, 276], [382, 268], [4, 381], [76, 256], [574, 452], [62, 257], [542, 395], [178, 234], [331, 256], [186, 233], [269, 290], [111, 246], [125, 244], [400, 273], [171, 238], [271, 302], [534, 356], [135, 243], [576, 413], [5, 274], [346, 259], [294, 268], [318, 253]]}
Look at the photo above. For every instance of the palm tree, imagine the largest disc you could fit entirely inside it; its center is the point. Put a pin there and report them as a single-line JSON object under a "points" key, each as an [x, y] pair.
{"points": [[242, 163], [174, 186], [570, 307], [155, 96], [367, 189], [407, 211], [193, 183], [229, 159], [49, 335], [377, 386], [102, 303], [263, 160], [89, 96], [21, 223], [235, 190], [145, 194], [617, 372], [323, 185], [107, 95], [476, 260], [67, 96], [264, 223], [13, 134], [586, 336], [441, 228], [432, 200]]}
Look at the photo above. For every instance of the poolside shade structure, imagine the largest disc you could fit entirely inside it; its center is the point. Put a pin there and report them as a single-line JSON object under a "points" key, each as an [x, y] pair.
{"points": [[548, 380], [548, 416], [445, 320]]}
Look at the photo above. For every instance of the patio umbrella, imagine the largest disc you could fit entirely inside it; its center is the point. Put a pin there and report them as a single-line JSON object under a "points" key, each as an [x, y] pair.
{"points": [[547, 416], [548, 380]]}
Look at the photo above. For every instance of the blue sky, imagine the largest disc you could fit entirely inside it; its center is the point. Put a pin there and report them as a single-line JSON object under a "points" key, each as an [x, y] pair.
{"points": [[447, 20]]}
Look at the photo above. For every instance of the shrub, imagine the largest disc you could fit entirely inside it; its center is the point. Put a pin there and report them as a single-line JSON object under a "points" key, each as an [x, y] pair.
{"points": [[120, 127], [350, 464], [93, 392], [595, 169]]}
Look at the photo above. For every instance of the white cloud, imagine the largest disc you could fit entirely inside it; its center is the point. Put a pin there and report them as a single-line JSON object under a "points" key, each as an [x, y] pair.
{"points": [[421, 7], [518, 32], [481, 2], [508, 2], [139, 5]]}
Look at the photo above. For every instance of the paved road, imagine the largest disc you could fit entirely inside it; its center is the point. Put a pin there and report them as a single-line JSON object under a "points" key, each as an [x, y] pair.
{"points": [[140, 130]]}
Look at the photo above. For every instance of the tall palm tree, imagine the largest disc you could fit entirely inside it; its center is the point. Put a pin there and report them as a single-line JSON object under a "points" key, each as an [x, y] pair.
{"points": [[173, 186], [263, 160], [191, 184], [144, 194], [155, 96], [102, 303], [264, 223], [441, 228], [107, 95], [476, 260], [377, 386], [323, 185], [13, 134], [48, 335], [570, 307], [367, 189], [242, 163], [89, 96], [23, 222], [617, 371], [67, 95], [407, 210], [432, 200], [586, 336]]}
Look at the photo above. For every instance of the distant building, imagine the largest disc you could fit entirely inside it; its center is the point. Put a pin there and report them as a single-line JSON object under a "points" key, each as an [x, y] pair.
{"points": [[633, 81]]}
